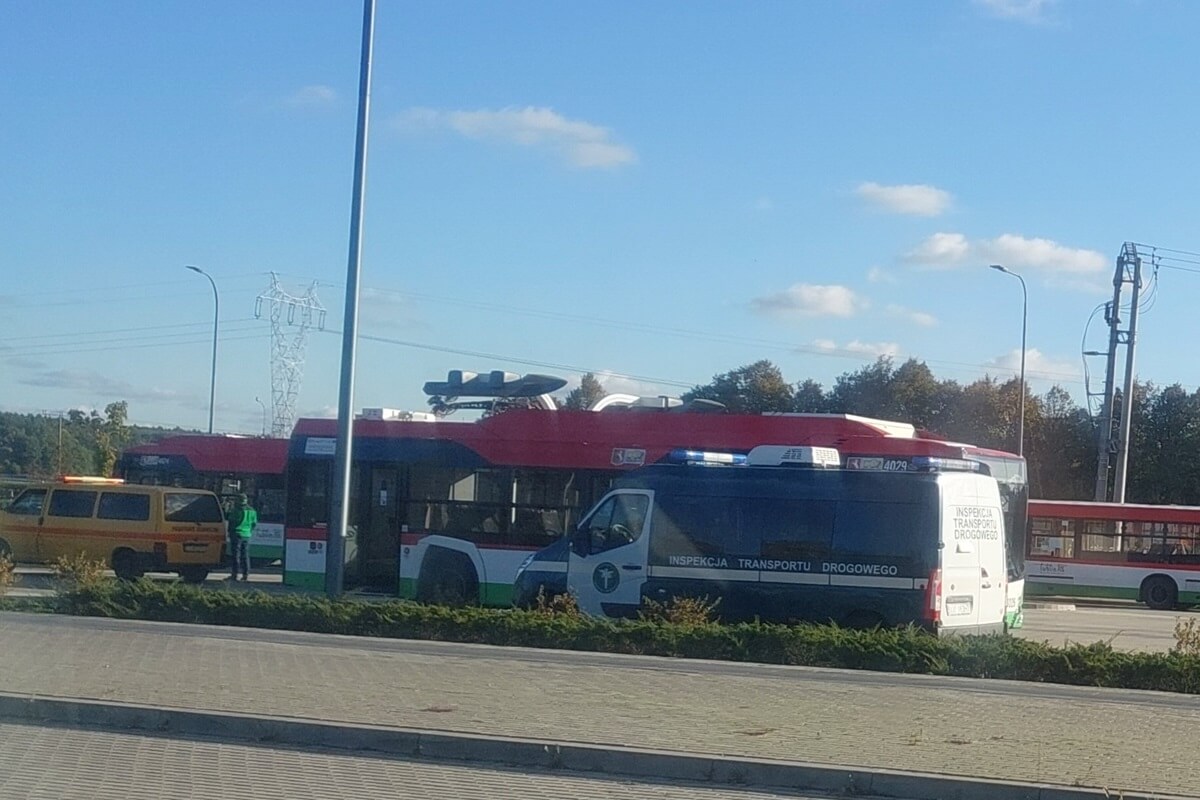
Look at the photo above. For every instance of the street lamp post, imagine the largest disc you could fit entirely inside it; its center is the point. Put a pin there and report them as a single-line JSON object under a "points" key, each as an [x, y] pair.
{"points": [[1024, 318], [212, 382], [264, 416]]}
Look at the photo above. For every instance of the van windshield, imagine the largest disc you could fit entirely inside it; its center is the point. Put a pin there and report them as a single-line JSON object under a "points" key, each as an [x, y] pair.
{"points": [[187, 507]]}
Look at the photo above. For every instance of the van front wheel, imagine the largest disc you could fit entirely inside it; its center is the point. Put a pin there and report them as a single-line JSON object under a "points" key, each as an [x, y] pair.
{"points": [[125, 564]]}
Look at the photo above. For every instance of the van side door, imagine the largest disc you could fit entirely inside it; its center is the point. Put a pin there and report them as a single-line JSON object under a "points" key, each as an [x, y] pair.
{"points": [[70, 528], [607, 564], [19, 523]]}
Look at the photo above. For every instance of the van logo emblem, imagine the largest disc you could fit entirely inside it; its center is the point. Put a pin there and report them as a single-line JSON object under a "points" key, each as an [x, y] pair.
{"points": [[606, 578]]}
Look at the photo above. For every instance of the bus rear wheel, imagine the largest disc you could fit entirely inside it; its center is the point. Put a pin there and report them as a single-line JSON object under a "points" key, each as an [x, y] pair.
{"points": [[1160, 593], [447, 578], [5, 550]]}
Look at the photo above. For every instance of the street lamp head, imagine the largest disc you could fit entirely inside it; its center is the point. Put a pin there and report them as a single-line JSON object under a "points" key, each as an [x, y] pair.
{"points": [[195, 269], [999, 267]]}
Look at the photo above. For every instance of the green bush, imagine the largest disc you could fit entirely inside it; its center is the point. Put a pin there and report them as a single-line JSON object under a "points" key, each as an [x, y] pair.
{"points": [[892, 650]]}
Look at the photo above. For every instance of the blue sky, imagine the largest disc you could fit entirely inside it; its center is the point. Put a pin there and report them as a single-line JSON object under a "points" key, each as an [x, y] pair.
{"points": [[656, 192]]}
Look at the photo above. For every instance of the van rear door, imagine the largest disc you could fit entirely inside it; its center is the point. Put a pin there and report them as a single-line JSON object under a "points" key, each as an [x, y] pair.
{"points": [[960, 560]]}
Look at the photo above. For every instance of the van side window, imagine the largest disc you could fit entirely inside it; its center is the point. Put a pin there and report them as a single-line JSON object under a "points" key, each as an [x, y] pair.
{"points": [[697, 526], [791, 529], [29, 502], [883, 532], [618, 522], [72, 503], [181, 507], [124, 505]]}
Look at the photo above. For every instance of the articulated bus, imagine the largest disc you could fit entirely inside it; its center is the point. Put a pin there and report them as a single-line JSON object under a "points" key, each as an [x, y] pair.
{"points": [[447, 510], [225, 465], [1114, 550]]}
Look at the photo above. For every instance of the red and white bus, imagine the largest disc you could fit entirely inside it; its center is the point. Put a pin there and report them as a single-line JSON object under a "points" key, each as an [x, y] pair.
{"points": [[448, 510], [225, 465], [1114, 550]]}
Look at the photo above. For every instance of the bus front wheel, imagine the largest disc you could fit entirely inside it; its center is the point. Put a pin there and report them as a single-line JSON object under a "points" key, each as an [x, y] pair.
{"points": [[1160, 593]]}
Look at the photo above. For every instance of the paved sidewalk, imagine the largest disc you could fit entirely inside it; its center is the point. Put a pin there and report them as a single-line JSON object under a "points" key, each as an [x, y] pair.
{"points": [[1117, 740], [54, 764]]}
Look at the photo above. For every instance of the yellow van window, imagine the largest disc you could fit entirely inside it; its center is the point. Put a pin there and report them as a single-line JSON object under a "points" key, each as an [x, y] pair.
{"points": [[124, 505], [29, 502], [182, 507], [72, 503]]}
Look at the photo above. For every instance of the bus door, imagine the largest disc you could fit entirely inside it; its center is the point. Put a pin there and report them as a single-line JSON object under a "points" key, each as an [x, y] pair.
{"points": [[379, 531], [607, 565]]}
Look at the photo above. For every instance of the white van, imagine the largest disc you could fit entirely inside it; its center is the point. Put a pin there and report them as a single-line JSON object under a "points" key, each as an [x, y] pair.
{"points": [[800, 540]]}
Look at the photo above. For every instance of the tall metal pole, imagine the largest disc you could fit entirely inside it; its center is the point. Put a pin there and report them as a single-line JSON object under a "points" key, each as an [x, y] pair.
{"points": [[264, 415], [1127, 397], [1021, 388], [340, 516], [212, 382]]}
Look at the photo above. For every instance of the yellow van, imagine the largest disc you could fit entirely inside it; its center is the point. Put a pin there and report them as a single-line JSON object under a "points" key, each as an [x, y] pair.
{"points": [[134, 529]]}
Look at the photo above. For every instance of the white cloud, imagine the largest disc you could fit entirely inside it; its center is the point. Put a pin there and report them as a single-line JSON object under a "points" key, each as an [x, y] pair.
{"points": [[809, 300], [920, 200], [1032, 11], [582, 144], [857, 348], [879, 275], [95, 383], [380, 308], [1037, 365], [315, 96], [919, 318], [947, 250], [320, 412]]}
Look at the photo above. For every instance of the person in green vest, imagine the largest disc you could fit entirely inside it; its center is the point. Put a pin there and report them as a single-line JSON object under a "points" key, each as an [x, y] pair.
{"points": [[242, 521]]}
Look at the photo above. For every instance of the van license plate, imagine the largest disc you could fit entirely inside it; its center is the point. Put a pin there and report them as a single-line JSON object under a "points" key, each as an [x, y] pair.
{"points": [[957, 607], [195, 547]]}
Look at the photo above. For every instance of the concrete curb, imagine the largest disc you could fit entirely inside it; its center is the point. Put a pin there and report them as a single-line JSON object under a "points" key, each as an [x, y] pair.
{"points": [[408, 743], [1039, 606]]}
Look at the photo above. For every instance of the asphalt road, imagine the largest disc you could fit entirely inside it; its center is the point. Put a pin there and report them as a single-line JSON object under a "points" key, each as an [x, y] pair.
{"points": [[46, 763], [1128, 626]]}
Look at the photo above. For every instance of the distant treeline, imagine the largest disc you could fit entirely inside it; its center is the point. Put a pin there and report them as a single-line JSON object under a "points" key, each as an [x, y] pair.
{"points": [[77, 443], [1060, 436]]}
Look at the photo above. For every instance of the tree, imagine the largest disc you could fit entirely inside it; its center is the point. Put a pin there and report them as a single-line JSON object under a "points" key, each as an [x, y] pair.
{"points": [[867, 392], [751, 389], [584, 395], [112, 435], [809, 398]]}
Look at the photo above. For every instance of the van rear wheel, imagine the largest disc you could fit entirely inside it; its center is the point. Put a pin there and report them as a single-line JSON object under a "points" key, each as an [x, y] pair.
{"points": [[193, 574], [125, 564]]}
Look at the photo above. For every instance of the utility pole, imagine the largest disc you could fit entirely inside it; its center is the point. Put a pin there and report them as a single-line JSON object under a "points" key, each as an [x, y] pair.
{"points": [[1113, 434]]}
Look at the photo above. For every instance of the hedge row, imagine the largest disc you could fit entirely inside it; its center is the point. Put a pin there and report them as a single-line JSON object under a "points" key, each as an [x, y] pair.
{"points": [[904, 650]]}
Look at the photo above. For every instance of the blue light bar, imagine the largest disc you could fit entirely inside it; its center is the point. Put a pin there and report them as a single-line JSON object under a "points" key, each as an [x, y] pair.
{"points": [[706, 458]]}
